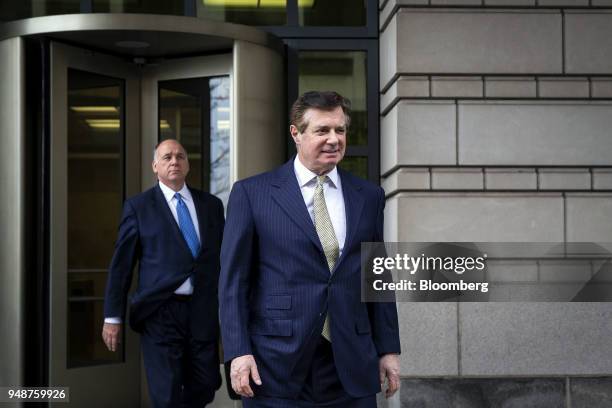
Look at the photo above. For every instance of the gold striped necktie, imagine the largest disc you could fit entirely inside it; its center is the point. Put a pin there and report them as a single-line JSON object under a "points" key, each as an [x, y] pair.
{"points": [[327, 236]]}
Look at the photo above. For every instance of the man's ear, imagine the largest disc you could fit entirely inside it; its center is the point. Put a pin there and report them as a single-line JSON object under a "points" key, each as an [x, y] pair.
{"points": [[295, 134], [154, 167]]}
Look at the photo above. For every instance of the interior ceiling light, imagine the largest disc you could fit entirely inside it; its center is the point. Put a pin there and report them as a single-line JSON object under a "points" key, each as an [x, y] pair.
{"points": [[94, 109], [231, 3], [103, 123], [132, 44], [256, 3], [283, 3]]}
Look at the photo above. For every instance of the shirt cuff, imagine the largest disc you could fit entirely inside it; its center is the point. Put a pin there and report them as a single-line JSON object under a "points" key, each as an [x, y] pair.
{"points": [[112, 320]]}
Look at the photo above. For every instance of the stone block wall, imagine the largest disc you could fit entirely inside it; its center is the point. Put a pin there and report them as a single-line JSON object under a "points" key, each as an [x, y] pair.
{"points": [[496, 125]]}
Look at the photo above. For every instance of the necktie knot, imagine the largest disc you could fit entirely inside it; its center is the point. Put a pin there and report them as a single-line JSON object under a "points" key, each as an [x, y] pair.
{"points": [[178, 196], [321, 180]]}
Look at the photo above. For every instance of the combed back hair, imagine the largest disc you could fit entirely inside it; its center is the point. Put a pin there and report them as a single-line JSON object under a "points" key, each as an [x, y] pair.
{"points": [[324, 100]]}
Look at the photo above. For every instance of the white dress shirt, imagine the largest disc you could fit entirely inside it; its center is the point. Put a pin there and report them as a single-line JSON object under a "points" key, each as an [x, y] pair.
{"points": [[186, 288], [334, 199]]}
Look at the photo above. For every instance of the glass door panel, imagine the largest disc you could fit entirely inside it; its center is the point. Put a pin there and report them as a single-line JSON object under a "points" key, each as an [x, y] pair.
{"points": [[196, 112], [94, 165], [95, 194]]}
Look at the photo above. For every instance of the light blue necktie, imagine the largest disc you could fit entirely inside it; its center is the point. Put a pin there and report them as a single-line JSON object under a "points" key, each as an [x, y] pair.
{"points": [[186, 225]]}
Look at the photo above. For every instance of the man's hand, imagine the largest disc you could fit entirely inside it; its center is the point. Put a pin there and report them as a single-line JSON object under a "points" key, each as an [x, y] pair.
{"points": [[389, 368], [111, 334], [241, 369]]}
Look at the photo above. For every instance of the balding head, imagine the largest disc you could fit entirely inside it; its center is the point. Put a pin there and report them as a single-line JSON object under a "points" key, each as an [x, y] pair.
{"points": [[170, 163]]}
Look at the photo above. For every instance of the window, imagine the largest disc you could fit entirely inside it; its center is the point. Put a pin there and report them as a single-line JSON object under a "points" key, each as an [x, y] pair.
{"points": [[196, 112], [249, 12], [349, 67], [332, 13]]}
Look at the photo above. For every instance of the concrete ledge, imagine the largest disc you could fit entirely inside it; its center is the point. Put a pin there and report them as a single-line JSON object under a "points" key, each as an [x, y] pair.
{"points": [[563, 3], [564, 179], [405, 87], [457, 179], [602, 179], [457, 87], [511, 179], [518, 3], [510, 87], [407, 179], [601, 87], [563, 87]]}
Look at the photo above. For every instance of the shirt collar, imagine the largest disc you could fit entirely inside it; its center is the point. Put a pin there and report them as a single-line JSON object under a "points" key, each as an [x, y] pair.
{"points": [[169, 193], [306, 176]]}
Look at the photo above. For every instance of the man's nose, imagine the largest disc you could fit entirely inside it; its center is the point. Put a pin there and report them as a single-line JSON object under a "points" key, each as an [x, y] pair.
{"points": [[332, 138]]}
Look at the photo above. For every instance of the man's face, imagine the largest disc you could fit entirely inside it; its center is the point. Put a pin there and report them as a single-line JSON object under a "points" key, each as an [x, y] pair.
{"points": [[171, 165], [322, 144]]}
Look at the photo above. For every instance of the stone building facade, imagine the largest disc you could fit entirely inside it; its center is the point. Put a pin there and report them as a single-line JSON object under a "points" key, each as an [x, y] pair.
{"points": [[496, 125]]}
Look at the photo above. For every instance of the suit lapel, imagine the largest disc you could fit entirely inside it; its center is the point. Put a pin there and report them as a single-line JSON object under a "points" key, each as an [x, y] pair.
{"points": [[353, 206], [202, 211], [288, 196]]}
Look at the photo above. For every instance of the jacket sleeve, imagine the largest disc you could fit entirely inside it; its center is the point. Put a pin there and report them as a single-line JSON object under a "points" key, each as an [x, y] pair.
{"points": [[383, 315], [236, 258], [127, 251]]}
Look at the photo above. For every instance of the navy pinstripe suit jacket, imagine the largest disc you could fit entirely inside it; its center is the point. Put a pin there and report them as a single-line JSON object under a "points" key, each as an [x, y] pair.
{"points": [[275, 287]]}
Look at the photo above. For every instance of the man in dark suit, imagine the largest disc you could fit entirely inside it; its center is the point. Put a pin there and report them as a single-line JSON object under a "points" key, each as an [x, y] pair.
{"points": [[174, 232], [291, 316]]}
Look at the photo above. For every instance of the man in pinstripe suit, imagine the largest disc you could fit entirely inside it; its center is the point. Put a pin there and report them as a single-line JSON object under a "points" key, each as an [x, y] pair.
{"points": [[293, 325]]}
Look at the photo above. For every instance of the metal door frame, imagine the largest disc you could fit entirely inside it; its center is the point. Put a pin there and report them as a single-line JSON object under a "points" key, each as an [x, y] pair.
{"points": [[93, 382]]}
